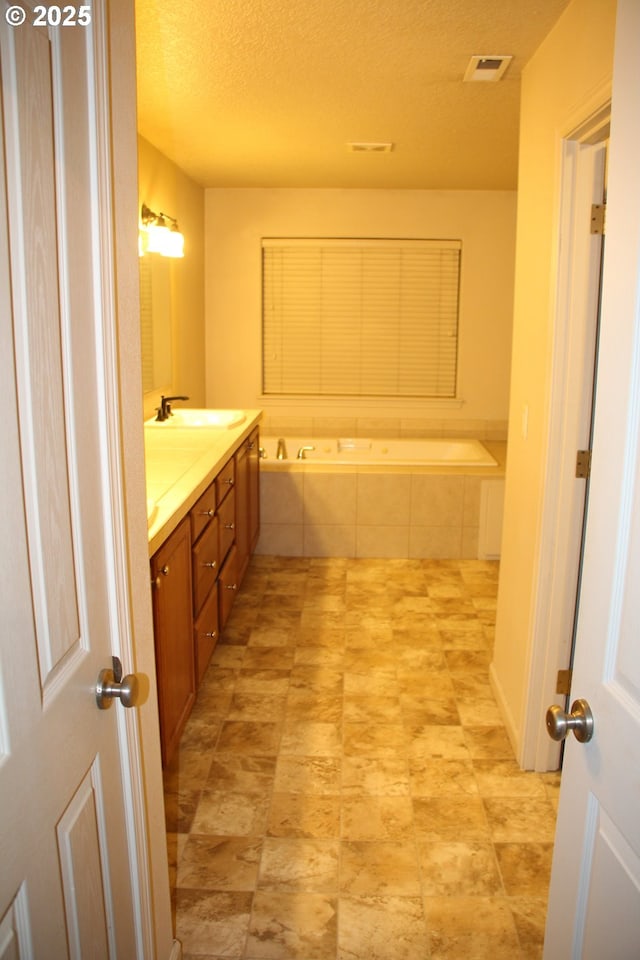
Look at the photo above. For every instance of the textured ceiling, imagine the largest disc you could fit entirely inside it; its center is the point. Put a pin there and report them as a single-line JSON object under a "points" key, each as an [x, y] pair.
{"points": [[267, 93]]}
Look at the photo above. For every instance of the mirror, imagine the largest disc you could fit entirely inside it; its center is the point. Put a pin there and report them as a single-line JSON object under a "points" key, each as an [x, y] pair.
{"points": [[156, 322]]}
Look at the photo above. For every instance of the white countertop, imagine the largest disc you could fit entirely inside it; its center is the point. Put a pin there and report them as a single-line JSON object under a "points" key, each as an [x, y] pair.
{"points": [[180, 464]]}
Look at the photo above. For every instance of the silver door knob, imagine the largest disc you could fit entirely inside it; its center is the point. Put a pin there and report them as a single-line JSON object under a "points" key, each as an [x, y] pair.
{"points": [[112, 685], [580, 720]]}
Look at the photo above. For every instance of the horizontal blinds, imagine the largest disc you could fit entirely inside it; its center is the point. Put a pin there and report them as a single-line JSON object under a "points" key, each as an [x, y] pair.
{"points": [[360, 318]]}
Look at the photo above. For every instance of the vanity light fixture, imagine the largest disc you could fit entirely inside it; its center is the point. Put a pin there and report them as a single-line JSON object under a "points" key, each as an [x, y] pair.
{"points": [[161, 234]]}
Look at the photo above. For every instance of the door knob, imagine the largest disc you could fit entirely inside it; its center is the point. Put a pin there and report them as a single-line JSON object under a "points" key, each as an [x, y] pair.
{"points": [[580, 720], [112, 685]]}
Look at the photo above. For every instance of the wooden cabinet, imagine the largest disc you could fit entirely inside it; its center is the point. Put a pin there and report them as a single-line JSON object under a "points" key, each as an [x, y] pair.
{"points": [[173, 630], [196, 574]]}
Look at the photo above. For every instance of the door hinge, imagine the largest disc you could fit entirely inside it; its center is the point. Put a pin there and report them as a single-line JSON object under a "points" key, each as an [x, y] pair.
{"points": [[598, 211], [563, 684], [583, 464]]}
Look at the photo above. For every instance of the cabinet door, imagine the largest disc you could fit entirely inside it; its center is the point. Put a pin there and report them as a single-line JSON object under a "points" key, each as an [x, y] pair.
{"points": [[205, 633], [206, 564], [173, 622], [228, 586], [227, 524]]}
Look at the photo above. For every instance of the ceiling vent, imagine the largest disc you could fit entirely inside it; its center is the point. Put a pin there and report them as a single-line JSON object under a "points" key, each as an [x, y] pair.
{"points": [[365, 147], [487, 68]]}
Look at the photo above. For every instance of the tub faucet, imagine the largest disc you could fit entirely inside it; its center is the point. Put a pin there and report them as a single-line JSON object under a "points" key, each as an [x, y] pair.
{"points": [[281, 450], [164, 410], [302, 452]]}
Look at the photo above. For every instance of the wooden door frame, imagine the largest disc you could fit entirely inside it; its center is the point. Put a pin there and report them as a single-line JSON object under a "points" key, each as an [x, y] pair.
{"points": [[555, 590]]}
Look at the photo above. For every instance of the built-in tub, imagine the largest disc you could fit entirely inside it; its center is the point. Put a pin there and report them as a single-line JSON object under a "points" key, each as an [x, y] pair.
{"points": [[432, 498], [426, 452]]}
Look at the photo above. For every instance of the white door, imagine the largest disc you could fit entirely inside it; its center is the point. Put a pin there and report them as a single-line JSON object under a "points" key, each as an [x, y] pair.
{"points": [[594, 899], [66, 879]]}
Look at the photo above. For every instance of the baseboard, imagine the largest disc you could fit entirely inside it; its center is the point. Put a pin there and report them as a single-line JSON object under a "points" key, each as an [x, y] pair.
{"points": [[176, 951], [507, 716]]}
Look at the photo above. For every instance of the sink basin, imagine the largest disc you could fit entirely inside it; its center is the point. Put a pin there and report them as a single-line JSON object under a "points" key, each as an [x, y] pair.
{"points": [[188, 417]]}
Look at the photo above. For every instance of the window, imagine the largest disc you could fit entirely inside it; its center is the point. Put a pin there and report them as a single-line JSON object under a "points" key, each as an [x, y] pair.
{"points": [[375, 318]]}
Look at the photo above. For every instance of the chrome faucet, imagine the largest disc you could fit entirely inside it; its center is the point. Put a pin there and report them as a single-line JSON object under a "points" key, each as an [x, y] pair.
{"points": [[281, 450], [302, 452], [164, 410]]}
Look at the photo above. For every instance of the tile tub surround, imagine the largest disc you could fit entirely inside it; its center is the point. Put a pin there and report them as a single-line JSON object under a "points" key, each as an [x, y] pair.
{"points": [[311, 509], [345, 789]]}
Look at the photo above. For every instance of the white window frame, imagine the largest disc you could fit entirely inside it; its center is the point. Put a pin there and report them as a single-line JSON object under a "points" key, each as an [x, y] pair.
{"points": [[327, 307]]}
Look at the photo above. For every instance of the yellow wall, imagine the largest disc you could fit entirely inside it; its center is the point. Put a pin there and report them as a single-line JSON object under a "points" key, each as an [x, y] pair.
{"points": [[237, 219], [164, 187], [562, 86]]}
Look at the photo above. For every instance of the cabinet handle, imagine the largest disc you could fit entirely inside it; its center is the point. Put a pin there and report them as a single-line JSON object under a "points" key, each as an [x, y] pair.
{"points": [[231, 586], [229, 526], [212, 564], [229, 481], [208, 513], [165, 573], [211, 635]]}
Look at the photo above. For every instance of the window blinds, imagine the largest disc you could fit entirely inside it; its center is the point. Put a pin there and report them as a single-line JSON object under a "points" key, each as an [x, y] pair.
{"points": [[361, 318]]}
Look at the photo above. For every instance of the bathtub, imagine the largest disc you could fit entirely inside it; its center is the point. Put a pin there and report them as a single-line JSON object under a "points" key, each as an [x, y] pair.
{"points": [[427, 452], [396, 498]]}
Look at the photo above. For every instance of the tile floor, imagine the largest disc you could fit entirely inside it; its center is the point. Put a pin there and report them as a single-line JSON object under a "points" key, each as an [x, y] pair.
{"points": [[344, 788]]}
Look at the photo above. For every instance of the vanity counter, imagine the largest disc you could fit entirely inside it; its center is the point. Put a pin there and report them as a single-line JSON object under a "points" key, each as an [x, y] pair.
{"points": [[181, 462]]}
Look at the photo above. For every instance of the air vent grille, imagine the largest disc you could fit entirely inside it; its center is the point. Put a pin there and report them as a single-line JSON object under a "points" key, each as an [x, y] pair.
{"points": [[487, 68], [369, 147]]}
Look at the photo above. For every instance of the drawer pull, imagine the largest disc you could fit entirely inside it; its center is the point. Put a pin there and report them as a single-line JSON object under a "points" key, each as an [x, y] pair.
{"points": [[165, 573], [211, 635], [229, 481], [229, 526], [212, 564], [208, 513], [231, 586]]}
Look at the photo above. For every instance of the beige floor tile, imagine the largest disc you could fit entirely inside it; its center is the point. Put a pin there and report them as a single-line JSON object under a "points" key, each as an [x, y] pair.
{"points": [[459, 869], [292, 926], [525, 868], [304, 816], [375, 868], [521, 821], [236, 773], [382, 928], [309, 739], [220, 813], [367, 709], [437, 777], [471, 928], [251, 737], [305, 866], [207, 919], [504, 778], [488, 743], [346, 773], [376, 818], [314, 776], [530, 917], [219, 863], [450, 818], [375, 776]]}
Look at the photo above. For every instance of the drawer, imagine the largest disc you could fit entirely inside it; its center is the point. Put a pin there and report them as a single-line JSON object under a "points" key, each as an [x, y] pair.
{"points": [[227, 586], [225, 481], [202, 512], [205, 633], [205, 564], [226, 525]]}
